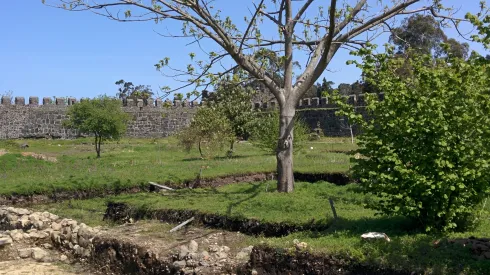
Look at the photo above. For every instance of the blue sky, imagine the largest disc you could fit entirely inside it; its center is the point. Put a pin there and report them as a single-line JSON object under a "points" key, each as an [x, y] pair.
{"points": [[49, 52]]}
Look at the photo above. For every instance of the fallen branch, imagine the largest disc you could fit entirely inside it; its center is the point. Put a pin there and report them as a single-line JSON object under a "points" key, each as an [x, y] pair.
{"points": [[161, 186], [181, 225]]}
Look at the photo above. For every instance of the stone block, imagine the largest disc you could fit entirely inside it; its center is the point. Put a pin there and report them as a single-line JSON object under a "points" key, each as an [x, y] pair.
{"points": [[34, 100], [6, 100], [20, 100], [60, 101], [47, 101]]}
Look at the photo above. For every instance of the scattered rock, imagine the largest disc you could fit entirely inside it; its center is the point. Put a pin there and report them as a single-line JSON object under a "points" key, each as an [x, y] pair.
{"points": [[192, 263], [193, 246], [221, 255], [39, 254], [205, 255], [63, 258], [179, 264], [56, 226], [214, 248], [375, 236], [184, 251], [47, 245], [5, 240], [16, 235], [242, 256], [24, 253]]}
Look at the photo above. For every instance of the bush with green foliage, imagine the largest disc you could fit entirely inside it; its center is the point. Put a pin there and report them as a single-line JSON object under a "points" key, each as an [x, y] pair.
{"points": [[233, 100], [265, 132], [101, 117], [426, 150], [209, 130]]}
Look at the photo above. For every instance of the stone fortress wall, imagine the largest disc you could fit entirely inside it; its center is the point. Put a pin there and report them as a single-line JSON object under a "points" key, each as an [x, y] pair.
{"points": [[155, 118]]}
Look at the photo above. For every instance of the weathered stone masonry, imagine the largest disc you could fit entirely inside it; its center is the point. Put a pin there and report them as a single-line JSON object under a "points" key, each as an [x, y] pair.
{"points": [[150, 119], [34, 120]]}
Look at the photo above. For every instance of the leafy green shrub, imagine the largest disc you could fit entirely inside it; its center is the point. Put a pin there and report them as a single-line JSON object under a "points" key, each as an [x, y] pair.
{"points": [[265, 132], [209, 130], [427, 148]]}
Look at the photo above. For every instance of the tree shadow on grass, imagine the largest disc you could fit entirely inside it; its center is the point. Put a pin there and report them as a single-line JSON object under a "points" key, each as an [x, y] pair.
{"points": [[253, 192], [216, 158], [410, 248]]}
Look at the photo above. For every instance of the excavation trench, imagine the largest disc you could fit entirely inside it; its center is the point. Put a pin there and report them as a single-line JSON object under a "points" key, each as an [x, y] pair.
{"points": [[58, 196], [121, 212], [124, 250]]}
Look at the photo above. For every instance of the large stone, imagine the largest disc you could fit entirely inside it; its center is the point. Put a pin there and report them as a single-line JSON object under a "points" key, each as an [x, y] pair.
{"points": [[192, 263], [24, 252], [19, 211], [56, 226], [83, 242], [205, 255], [183, 252], [487, 255], [179, 264], [5, 240], [193, 246], [16, 235], [55, 237], [39, 254]]}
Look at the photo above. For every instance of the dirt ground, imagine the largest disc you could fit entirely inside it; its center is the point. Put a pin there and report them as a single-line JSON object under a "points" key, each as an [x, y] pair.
{"points": [[24, 267]]}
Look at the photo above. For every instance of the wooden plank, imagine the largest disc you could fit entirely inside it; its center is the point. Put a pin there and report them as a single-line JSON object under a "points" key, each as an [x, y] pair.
{"points": [[181, 225], [161, 186]]}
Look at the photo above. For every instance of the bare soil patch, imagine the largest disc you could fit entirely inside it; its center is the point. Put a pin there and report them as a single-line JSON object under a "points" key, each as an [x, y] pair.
{"points": [[39, 156]]}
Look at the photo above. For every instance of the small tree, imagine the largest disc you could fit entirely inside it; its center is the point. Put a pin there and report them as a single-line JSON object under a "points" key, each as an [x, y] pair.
{"points": [[209, 127], [233, 100], [102, 117], [426, 150]]}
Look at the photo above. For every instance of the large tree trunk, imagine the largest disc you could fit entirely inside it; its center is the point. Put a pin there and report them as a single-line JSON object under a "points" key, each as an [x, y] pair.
{"points": [[284, 154]]}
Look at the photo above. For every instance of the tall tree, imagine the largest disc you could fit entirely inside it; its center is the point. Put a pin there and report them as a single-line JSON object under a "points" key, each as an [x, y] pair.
{"points": [[129, 90], [301, 26], [422, 34]]}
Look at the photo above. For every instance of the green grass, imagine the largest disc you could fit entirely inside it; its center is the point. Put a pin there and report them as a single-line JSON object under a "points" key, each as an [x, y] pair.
{"points": [[132, 162], [409, 249]]}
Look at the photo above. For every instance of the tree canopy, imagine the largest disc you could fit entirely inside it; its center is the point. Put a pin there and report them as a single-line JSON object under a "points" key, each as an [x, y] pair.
{"points": [[422, 34], [101, 117], [129, 90]]}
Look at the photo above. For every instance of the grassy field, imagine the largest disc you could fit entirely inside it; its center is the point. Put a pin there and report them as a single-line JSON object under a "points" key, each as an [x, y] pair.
{"points": [[131, 162], [409, 249]]}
